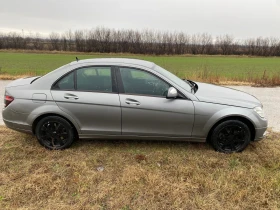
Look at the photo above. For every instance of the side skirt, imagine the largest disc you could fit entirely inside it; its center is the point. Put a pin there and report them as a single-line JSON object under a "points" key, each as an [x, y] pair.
{"points": [[133, 137]]}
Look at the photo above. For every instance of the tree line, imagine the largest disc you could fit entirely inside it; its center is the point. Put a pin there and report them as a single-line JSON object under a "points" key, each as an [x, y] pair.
{"points": [[106, 40]]}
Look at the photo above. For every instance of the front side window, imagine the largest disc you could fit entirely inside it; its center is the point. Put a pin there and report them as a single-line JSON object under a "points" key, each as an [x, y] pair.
{"points": [[142, 83], [96, 79]]}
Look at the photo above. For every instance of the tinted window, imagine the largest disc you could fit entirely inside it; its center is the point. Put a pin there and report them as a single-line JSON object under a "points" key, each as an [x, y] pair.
{"points": [[143, 83], [94, 79], [66, 83]]}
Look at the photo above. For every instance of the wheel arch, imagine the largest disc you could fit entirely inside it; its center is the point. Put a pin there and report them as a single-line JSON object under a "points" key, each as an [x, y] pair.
{"points": [[38, 118], [237, 117]]}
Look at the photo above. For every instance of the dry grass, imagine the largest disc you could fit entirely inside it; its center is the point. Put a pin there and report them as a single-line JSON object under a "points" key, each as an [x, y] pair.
{"points": [[265, 80], [200, 76], [137, 175], [208, 76], [13, 77]]}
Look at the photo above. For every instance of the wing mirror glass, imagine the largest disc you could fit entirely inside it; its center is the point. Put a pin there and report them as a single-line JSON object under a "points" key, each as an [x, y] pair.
{"points": [[172, 93]]}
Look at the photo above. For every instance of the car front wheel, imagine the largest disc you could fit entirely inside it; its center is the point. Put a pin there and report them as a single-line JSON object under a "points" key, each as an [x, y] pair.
{"points": [[54, 132], [231, 136]]}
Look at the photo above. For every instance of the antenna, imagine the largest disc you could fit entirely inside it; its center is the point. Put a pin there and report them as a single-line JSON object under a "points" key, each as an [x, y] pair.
{"points": [[77, 59]]}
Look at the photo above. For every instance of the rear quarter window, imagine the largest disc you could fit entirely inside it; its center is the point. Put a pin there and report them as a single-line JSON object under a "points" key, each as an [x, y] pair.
{"points": [[65, 83]]}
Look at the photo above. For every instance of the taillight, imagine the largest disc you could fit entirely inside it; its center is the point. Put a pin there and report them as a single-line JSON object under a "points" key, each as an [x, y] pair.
{"points": [[7, 100]]}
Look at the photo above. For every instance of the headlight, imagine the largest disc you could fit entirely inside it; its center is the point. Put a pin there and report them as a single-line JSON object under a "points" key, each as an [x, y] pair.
{"points": [[260, 111]]}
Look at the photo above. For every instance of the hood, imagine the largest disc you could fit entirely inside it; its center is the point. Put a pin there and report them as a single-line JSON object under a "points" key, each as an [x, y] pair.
{"points": [[22, 81], [223, 95]]}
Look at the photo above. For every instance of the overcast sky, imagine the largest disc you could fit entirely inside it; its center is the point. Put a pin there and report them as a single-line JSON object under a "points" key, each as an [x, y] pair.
{"points": [[241, 18]]}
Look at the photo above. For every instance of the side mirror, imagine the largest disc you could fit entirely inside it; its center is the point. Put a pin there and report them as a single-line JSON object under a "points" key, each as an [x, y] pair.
{"points": [[172, 93]]}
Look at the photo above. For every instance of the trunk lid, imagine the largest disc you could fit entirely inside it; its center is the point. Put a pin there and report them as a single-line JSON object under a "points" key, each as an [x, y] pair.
{"points": [[22, 81]]}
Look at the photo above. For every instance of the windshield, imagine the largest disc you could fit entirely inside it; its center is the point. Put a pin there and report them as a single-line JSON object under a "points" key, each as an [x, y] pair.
{"points": [[173, 77]]}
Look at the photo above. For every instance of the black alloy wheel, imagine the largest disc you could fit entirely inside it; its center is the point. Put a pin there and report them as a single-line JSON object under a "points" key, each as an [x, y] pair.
{"points": [[54, 132], [231, 136]]}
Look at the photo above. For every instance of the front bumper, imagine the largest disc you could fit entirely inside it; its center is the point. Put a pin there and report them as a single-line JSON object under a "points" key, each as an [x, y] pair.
{"points": [[260, 134]]}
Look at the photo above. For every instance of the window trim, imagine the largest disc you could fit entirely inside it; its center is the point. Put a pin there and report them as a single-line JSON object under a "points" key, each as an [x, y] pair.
{"points": [[113, 80], [121, 87]]}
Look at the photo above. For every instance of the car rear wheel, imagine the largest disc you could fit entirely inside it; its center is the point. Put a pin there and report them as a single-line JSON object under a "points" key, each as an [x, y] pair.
{"points": [[54, 132], [231, 136]]}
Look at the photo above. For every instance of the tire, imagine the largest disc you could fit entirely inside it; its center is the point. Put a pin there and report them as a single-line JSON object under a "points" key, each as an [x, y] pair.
{"points": [[230, 136], [54, 133]]}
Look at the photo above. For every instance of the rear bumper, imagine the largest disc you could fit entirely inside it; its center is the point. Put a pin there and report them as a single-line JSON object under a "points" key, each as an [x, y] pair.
{"points": [[16, 120], [18, 126], [260, 133]]}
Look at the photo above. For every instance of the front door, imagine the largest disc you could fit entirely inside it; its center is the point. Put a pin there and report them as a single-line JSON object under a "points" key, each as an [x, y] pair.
{"points": [[145, 109], [89, 96]]}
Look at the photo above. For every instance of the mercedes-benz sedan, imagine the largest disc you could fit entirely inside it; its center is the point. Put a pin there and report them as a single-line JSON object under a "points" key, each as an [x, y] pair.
{"points": [[131, 99]]}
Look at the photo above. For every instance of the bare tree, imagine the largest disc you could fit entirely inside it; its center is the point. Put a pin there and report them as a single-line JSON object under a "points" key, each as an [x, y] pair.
{"points": [[37, 41], [206, 41], [70, 40], [55, 41], [225, 43], [80, 41], [15, 41], [108, 40], [1, 41]]}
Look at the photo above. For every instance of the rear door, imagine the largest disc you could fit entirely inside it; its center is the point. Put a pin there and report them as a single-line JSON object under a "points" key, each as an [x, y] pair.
{"points": [[90, 96], [145, 109]]}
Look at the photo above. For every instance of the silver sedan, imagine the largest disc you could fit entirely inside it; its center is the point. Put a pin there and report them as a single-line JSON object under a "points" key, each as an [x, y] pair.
{"points": [[130, 99]]}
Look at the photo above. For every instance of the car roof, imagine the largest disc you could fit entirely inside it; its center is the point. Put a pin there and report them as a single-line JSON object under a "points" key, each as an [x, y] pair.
{"points": [[128, 61]]}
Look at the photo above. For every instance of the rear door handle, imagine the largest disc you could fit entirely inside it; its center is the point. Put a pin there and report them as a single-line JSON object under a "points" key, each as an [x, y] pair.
{"points": [[71, 96], [132, 101]]}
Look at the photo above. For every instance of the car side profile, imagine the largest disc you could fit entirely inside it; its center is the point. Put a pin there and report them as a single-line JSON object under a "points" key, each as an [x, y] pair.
{"points": [[130, 99]]}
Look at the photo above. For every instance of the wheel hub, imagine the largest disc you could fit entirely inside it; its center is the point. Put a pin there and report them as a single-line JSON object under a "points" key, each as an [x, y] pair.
{"points": [[54, 134], [231, 138]]}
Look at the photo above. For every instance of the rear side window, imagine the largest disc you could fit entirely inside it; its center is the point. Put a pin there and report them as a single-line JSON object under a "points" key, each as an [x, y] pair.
{"points": [[97, 79], [66, 83], [94, 78]]}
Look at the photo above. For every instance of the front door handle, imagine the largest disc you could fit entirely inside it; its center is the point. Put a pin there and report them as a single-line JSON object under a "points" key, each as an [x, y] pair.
{"points": [[71, 96], [132, 101]]}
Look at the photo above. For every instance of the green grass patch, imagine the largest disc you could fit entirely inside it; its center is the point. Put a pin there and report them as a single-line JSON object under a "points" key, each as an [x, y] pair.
{"points": [[230, 67]]}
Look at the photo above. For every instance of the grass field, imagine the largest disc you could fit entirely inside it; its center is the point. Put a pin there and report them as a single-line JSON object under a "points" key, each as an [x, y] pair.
{"points": [[218, 68], [137, 175]]}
